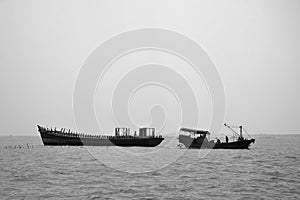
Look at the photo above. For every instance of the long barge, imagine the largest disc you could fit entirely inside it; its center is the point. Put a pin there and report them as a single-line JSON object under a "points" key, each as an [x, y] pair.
{"points": [[122, 137]]}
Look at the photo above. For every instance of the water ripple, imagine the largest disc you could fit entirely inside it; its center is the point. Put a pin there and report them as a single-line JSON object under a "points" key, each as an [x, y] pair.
{"points": [[270, 170]]}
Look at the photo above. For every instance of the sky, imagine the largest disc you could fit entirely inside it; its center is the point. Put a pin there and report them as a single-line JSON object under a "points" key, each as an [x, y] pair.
{"points": [[254, 44]]}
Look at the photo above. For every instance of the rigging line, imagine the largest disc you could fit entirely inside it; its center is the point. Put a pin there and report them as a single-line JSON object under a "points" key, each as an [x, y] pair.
{"points": [[229, 127], [247, 132]]}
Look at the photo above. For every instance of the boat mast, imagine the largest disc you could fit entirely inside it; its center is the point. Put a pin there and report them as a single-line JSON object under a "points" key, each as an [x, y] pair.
{"points": [[241, 131]]}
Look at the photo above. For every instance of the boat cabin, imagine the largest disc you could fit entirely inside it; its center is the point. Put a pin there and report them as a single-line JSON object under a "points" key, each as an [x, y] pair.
{"points": [[143, 132], [122, 131], [147, 132], [194, 132]]}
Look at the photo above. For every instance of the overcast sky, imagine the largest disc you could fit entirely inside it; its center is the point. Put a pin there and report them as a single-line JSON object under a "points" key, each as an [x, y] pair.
{"points": [[254, 44]]}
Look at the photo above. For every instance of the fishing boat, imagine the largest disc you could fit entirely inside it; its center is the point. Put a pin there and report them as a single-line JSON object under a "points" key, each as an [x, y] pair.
{"points": [[122, 137], [193, 138]]}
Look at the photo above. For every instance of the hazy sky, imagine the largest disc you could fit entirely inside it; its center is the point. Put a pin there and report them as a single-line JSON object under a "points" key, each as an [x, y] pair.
{"points": [[254, 44]]}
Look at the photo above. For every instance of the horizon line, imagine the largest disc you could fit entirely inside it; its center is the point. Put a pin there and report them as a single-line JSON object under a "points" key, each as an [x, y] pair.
{"points": [[166, 135]]}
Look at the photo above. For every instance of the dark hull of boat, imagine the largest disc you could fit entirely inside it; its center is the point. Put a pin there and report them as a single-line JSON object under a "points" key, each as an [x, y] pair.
{"points": [[50, 139], [202, 142]]}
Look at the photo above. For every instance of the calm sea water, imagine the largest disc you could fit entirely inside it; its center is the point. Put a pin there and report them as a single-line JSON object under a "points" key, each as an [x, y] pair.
{"points": [[269, 170]]}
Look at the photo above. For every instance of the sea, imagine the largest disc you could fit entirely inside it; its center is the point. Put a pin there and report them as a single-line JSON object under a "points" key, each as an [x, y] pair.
{"points": [[270, 169]]}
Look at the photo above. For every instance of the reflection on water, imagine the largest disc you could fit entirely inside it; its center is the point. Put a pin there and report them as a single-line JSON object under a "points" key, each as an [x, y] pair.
{"points": [[271, 169]]}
